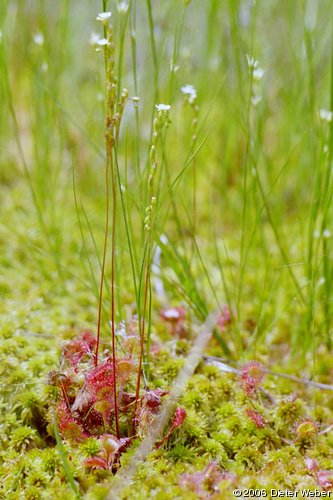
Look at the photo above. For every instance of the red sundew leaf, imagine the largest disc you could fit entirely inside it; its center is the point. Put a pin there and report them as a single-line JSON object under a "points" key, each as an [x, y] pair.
{"points": [[90, 339], [175, 317], [180, 415], [112, 444], [125, 368], [96, 463], [127, 399], [153, 399], [104, 408], [173, 314], [112, 447], [251, 376], [74, 350], [100, 377], [305, 428], [83, 400], [68, 425], [58, 379]]}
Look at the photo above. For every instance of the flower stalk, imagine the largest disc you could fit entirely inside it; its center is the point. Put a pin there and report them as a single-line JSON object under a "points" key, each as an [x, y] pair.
{"points": [[114, 104]]}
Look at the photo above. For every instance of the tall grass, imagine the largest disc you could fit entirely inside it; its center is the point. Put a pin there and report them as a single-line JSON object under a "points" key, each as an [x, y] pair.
{"points": [[243, 185]]}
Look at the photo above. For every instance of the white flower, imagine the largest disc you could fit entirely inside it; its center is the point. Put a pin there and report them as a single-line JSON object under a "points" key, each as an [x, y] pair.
{"points": [[102, 42], [44, 67], [190, 92], [104, 16], [251, 62], [326, 115], [94, 37], [327, 233], [258, 73], [163, 107], [38, 38], [135, 100], [122, 7], [172, 313]]}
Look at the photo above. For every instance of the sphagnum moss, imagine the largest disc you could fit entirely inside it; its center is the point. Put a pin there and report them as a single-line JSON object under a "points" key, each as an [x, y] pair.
{"points": [[243, 216]]}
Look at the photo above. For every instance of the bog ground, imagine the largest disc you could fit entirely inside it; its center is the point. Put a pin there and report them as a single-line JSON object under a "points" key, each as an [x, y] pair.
{"points": [[166, 248]]}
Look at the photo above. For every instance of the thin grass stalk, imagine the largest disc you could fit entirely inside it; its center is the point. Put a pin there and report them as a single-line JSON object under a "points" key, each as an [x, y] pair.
{"points": [[159, 123], [153, 49]]}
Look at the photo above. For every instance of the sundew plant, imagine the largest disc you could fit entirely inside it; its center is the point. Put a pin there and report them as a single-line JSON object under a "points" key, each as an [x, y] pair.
{"points": [[166, 248]]}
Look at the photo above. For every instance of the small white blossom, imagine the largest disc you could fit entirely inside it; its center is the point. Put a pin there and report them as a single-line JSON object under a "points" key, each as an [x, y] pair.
{"points": [[44, 67], [102, 42], [251, 62], [327, 233], [104, 16], [190, 92], [258, 73], [171, 314], [326, 115], [135, 100], [316, 234], [38, 38], [122, 7], [94, 38], [163, 107]]}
